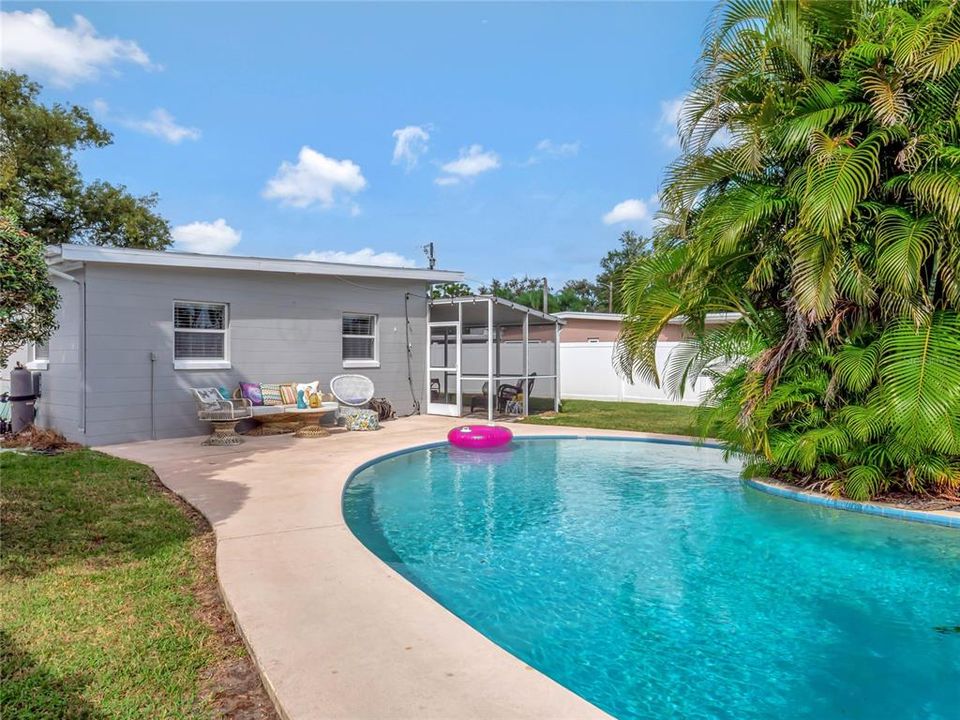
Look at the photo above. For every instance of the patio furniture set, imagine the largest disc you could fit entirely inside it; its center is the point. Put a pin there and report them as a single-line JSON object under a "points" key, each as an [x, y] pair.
{"points": [[297, 408]]}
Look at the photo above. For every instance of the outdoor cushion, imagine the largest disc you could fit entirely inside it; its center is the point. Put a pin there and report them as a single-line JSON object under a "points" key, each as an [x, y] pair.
{"points": [[251, 391], [308, 388], [270, 392], [224, 393], [267, 410], [208, 396], [288, 394]]}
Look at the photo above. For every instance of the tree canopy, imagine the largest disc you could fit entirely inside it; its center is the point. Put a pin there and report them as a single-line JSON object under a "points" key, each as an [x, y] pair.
{"points": [[614, 266], [818, 196], [581, 295], [41, 183], [28, 301]]}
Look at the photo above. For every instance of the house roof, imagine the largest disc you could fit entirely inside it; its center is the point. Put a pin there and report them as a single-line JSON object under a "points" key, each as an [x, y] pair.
{"points": [[574, 315], [505, 311], [617, 317], [58, 254]]}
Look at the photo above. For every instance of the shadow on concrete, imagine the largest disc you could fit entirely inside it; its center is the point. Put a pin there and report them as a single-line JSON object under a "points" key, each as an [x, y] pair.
{"points": [[199, 474]]}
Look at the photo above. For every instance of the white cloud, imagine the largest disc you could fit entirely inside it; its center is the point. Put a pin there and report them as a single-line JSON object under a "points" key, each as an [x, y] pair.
{"points": [[216, 238], [547, 148], [567, 149], [366, 256], [33, 43], [445, 180], [411, 144], [632, 210], [162, 124], [473, 160], [314, 179], [666, 126]]}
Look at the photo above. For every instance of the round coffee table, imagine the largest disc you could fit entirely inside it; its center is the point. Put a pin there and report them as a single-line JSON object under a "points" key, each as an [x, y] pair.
{"points": [[302, 422]]}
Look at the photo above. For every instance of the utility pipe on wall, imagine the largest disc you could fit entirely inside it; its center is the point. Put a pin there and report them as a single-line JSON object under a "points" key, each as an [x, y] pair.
{"points": [[82, 333]]}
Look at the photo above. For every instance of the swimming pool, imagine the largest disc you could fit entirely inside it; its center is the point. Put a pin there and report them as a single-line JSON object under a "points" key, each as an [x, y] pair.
{"points": [[647, 579]]}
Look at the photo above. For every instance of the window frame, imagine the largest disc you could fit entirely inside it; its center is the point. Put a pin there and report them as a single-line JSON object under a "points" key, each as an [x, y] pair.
{"points": [[35, 360], [202, 363], [373, 362]]}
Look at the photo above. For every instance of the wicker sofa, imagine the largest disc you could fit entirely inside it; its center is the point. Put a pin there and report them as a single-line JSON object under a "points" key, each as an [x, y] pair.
{"points": [[275, 414]]}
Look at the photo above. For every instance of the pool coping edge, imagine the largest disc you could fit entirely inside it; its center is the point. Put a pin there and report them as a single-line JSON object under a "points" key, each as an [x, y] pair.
{"points": [[942, 518]]}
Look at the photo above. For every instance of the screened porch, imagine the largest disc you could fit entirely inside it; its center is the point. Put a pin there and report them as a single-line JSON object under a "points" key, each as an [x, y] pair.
{"points": [[491, 358]]}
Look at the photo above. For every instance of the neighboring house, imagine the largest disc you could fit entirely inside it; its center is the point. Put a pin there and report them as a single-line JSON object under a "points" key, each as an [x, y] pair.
{"points": [[140, 327], [587, 344]]}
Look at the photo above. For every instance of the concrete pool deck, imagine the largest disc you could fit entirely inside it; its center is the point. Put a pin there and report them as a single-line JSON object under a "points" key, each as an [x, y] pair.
{"points": [[333, 630]]}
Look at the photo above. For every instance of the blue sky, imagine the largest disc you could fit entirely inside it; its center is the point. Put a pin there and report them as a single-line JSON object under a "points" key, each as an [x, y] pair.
{"points": [[530, 135]]}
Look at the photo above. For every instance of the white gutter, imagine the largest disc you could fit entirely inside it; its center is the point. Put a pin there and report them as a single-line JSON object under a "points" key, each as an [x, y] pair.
{"points": [[617, 317]]}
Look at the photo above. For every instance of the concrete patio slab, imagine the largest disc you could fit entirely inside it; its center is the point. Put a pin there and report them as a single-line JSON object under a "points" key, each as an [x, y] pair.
{"points": [[334, 631]]}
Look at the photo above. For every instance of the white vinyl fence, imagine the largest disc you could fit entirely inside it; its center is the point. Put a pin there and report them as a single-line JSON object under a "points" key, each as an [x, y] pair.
{"points": [[587, 373]]}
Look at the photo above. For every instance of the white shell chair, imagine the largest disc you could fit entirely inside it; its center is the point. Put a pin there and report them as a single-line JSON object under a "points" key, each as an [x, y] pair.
{"points": [[354, 391]]}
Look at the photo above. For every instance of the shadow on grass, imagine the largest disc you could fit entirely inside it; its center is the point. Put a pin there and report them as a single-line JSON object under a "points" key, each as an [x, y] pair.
{"points": [[82, 507], [31, 692]]}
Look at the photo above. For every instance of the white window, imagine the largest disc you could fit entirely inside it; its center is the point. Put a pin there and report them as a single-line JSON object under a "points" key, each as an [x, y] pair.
{"points": [[200, 335], [359, 340], [38, 356]]}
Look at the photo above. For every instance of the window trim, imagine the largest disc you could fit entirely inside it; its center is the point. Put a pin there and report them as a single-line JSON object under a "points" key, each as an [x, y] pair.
{"points": [[364, 362], [33, 361], [202, 363]]}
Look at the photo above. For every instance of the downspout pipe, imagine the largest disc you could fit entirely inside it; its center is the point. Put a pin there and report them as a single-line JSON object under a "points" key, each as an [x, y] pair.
{"points": [[82, 332]]}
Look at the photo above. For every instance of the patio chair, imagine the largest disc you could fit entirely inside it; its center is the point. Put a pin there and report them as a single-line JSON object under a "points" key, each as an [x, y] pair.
{"points": [[505, 394], [223, 414], [356, 392]]}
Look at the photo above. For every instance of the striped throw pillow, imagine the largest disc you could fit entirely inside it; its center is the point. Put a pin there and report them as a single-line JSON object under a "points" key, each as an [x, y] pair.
{"points": [[271, 394], [288, 394]]}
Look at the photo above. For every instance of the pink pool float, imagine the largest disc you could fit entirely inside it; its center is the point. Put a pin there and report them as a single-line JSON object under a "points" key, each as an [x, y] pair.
{"points": [[479, 437]]}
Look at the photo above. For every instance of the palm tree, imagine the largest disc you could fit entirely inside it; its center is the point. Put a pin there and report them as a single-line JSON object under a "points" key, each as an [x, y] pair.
{"points": [[818, 196]]}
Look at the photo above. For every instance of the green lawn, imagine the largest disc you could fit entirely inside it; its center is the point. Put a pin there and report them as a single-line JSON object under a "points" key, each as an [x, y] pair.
{"points": [[644, 417], [98, 614]]}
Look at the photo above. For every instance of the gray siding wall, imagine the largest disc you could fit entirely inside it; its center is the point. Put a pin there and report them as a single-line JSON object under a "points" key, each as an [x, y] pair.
{"points": [[60, 384], [282, 328]]}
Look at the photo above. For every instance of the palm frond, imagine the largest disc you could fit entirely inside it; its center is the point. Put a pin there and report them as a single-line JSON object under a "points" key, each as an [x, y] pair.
{"points": [[941, 55], [888, 99], [938, 191], [904, 243], [920, 373], [836, 186], [855, 366]]}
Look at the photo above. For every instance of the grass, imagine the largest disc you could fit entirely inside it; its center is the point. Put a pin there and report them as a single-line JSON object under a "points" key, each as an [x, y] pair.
{"points": [[644, 417], [98, 613]]}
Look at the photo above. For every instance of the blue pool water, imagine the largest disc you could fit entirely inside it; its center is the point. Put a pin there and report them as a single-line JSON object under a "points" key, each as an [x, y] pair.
{"points": [[647, 579]]}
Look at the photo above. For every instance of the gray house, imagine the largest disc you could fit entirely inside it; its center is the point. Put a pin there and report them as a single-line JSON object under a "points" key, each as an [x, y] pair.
{"points": [[138, 328]]}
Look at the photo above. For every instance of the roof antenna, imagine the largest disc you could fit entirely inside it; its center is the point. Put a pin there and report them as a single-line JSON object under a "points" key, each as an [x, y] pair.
{"points": [[428, 251]]}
